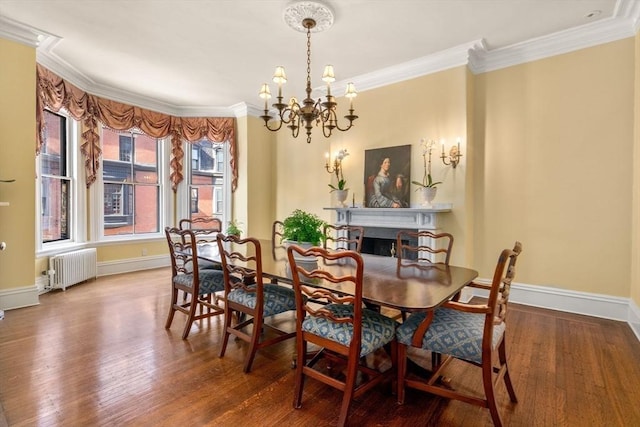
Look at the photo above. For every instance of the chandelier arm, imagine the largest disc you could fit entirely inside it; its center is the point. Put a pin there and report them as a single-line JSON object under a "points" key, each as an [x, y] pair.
{"points": [[351, 119]]}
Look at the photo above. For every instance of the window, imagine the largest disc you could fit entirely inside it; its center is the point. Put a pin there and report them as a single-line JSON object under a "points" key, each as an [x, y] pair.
{"points": [[125, 148], [55, 181], [206, 179], [194, 200], [131, 183]]}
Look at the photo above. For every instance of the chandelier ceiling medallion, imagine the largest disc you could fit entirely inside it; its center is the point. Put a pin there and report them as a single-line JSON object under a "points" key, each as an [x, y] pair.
{"points": [[306, 16]]}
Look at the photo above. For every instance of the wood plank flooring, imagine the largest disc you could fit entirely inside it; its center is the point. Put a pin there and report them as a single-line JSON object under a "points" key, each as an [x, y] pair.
{"points": [[98, 355]]}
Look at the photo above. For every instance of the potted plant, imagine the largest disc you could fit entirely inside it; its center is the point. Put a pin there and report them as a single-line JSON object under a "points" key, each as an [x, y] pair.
{"points": [[428, 185], [233, 229], [303, 227], [341, 191]]}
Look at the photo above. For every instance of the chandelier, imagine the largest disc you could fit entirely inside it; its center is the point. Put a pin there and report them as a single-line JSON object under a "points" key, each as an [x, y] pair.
{"points": [[302, 16]]}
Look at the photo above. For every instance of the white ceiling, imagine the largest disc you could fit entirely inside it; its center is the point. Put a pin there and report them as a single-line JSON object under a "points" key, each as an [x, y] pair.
{"points": [[207, 57]]}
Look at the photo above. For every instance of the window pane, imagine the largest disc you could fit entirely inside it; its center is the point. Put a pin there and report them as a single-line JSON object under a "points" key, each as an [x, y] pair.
{"points": [[53, 153], [206, 176], [54, 221], [146, 208], [131, 183]]}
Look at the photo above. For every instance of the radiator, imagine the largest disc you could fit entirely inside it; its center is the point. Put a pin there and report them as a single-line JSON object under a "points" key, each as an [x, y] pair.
{"points": [[72, 267]]}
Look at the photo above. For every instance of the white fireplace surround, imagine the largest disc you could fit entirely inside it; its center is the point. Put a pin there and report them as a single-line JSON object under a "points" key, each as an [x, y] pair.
{"points": [[393, 218]]}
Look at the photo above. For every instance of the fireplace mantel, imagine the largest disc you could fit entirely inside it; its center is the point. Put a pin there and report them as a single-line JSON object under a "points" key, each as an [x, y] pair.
{"points": [[396, 218]]}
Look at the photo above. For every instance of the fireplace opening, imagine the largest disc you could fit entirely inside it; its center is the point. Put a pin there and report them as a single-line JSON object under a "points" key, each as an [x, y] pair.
{"points": [[375, 246], [386, 247]]}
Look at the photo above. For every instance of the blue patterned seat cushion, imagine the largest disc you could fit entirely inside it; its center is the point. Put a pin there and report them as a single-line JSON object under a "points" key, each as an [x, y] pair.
{"points": [[277, 299], [204, 264], [211, 281], [452, 332], [377, 329]]}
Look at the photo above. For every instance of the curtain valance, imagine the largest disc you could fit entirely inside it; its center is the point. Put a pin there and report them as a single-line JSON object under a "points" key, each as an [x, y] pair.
{"points": [[54, 93]]}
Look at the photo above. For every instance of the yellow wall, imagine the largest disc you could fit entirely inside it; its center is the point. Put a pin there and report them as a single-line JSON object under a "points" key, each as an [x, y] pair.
{"points": [[547, 160], [400, 114], [259, 174], [554, 168], [635, 229], [17, 154]]}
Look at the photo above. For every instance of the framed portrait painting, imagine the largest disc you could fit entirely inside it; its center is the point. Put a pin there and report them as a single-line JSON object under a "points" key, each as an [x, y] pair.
{"points": [[387, 173]]}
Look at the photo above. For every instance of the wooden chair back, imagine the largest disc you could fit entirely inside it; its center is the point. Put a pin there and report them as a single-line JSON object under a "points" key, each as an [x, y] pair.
{"points": [[430, 248], [205, 228], [343, 237]]}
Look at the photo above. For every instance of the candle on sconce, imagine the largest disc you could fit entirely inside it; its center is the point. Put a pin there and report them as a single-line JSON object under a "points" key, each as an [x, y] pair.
{"points": [[326, 159], [442, 141], [458, 144]]}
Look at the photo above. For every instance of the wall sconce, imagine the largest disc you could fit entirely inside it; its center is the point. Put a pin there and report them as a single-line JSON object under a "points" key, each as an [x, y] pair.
{"points": [[337, 163], [454, 155]]}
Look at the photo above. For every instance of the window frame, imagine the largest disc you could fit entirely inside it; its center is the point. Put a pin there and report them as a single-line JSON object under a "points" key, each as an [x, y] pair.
{"points": [[183, 194], [77, 194], [164, 196]]}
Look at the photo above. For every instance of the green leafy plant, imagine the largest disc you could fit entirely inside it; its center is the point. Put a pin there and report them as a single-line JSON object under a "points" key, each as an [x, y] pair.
{"points": [[427, 180], [234, 228], [341, 184], [303, 226]]}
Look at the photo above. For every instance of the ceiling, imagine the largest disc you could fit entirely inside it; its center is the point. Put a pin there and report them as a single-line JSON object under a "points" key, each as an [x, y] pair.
{"points": [[207, 57]]}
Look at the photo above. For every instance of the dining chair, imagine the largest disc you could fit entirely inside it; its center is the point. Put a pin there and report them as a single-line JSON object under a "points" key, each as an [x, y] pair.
{"points": [[473, 333], [205, 229], [197, 284], [246, 294], [343, 237], [420, 247], [344, 330]]}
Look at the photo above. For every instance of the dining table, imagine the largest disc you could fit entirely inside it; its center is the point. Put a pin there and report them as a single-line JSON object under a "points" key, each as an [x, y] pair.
{"points": [[409, 288]]}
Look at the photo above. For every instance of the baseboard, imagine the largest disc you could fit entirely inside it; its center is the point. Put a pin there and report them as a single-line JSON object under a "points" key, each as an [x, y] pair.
{"points": [[29, 295], [634, 318], [133, 264], [588, 304], [25, 296]]}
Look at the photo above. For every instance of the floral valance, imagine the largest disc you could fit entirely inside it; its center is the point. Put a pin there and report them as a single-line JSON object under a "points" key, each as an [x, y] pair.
{"points": [[55, 93]]}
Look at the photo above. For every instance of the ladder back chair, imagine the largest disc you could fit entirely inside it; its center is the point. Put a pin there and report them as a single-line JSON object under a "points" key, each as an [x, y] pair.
{"points": [[474, 333], [246, 294], [197, 284], [430, 248], [205, 229], [345, 331], [343, 237]]}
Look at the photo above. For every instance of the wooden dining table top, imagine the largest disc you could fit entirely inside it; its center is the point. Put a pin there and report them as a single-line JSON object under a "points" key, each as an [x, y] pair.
{"points": [[408, 288]]}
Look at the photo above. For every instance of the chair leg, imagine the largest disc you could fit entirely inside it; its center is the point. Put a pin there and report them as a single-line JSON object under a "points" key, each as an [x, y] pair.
{"points": [[487, 380], [192, 312], [299, 375], [253, 345], [502, 355], [172, 309], [228, 314], [402, 371], [350, 385]]}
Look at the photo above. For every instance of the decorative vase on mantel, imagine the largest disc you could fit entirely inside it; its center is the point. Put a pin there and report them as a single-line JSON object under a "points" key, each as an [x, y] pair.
{"points": [[341, 196], [428, 194]]}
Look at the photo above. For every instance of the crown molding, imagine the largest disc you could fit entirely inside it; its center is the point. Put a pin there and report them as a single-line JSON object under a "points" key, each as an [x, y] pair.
{"points": [[475, 54], [21, 33], [482, 60]]}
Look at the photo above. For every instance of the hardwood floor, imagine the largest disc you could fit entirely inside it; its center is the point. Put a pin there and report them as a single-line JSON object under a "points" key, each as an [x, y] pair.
{"points": [[98, 355]]}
